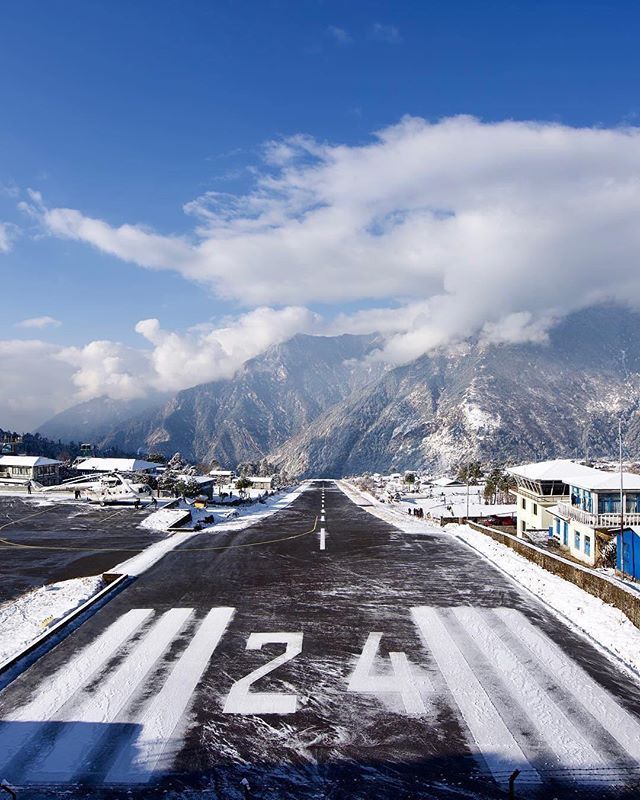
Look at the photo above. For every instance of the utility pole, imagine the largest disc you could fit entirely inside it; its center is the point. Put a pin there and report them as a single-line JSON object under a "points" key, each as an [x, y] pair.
{"points": [[467, 517], [621, 500]]}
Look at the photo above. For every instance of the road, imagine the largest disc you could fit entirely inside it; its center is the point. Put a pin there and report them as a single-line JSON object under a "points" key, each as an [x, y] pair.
{"points": [[389, 665]]}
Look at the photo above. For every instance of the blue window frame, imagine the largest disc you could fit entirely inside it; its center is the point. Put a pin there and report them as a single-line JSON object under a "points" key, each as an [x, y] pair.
{"points": [[587, 545], [576, 541], [565, 534]]}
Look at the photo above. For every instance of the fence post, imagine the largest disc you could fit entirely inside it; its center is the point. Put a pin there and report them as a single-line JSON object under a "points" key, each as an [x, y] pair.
{"points": [[512, 784]]}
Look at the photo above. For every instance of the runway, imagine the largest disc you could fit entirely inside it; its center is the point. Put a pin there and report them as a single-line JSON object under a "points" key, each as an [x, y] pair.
{"points": [[386, 665]]}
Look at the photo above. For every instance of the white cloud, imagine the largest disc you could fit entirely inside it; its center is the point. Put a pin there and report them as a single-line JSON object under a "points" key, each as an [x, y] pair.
{"points": [[39, 322], [40, 379], [386, 33], [340, 34], [7, 235], [208, 352], [34, 384], [466, 227]]}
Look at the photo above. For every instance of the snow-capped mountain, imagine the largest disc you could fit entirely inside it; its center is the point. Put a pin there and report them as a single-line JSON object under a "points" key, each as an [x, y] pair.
{"points": [[270, 399], [319, 406]]}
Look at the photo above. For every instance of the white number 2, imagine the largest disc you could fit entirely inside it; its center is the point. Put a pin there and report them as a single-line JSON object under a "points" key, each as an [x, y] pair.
{"points": [[401, 680], [242, 701]]}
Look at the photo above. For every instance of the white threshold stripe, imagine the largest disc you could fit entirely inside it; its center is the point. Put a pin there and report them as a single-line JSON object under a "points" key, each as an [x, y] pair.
{"points": [[574, 680], [495, 742], [137, 762], [67, 756], [56, 691], [556, 731]]}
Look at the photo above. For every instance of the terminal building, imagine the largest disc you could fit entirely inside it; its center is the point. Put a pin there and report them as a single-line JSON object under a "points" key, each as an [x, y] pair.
{"points": [[582, 508]]}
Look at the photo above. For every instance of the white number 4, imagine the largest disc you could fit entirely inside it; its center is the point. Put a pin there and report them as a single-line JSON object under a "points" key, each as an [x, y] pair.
{"points": [[401, 680]]}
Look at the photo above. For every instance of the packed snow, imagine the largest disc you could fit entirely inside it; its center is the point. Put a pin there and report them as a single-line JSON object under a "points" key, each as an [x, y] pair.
{"points": [[24, 619]]}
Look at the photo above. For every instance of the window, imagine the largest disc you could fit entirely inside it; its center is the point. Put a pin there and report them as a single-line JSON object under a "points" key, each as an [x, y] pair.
{"points": [[576, 541], [587, 545], [522, 526], [558, 528], [524, 504], [565, 534], [535, 509]]}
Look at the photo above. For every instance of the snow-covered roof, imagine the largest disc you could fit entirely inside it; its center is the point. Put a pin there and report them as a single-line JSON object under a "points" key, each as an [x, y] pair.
{"points": [[114, 465], [447, 482], [225, 472], [566, 471], [601, 481], [27, 461], [555, 470], [202, 479]]}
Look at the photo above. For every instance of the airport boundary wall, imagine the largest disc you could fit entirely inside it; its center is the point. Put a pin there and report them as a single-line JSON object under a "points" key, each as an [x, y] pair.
{"points": [[598, 585]]}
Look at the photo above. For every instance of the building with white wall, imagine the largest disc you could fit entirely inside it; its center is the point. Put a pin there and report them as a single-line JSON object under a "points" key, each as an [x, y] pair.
{"points": [[594, 512], [539, 486], [579, 506], [22, 469]]}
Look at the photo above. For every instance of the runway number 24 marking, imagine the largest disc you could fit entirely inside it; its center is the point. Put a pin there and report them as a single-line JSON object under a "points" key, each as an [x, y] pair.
{"points": [[401, 680]]}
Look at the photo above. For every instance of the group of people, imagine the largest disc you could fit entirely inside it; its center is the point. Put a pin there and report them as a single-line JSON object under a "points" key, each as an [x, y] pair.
{"points": [[417, 512]]}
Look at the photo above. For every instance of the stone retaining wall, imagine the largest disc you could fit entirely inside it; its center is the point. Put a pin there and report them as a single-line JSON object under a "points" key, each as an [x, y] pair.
{"points": [[597, 585]]}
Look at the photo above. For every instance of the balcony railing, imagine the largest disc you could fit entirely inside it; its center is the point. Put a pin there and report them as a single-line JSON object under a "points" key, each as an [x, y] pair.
{"points": [[608, 520]]}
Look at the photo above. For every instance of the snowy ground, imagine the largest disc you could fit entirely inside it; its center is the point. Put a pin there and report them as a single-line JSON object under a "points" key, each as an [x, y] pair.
{"points": [[225, 519], [605, 625], [24, 619]]}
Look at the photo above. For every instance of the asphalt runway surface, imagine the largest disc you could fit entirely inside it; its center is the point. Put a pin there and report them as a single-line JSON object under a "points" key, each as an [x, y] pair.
{"points": [[95, 538], [389, 665]]}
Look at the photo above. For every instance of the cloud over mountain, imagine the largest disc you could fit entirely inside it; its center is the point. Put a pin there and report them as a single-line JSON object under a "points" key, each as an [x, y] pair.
{"points": [[447, 229], [459, 215]]}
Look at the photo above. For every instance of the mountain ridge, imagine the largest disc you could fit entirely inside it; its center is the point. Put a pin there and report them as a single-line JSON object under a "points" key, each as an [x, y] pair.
{"points": [[323, 406]]}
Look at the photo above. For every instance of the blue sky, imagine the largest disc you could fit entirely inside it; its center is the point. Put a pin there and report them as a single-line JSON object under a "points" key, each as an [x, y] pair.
{"points": [[127, 111]]}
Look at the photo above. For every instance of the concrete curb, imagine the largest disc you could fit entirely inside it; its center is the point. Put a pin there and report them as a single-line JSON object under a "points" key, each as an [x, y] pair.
{"points": [[30, 653]]}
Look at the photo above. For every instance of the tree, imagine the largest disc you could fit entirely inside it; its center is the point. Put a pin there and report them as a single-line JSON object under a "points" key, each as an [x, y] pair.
{"points": [[470, 473], [410, 478], [178, 464], [156, 458], [265, 468], [247, 468], [187, 487], [167, 482], [243, 483], [149, 480]]}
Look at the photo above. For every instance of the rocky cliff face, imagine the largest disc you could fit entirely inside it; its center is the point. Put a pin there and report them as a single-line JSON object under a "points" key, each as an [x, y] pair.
{"points": [[270, 399], [494, 403], [318, 406]]}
